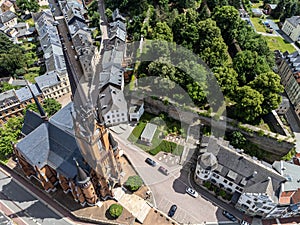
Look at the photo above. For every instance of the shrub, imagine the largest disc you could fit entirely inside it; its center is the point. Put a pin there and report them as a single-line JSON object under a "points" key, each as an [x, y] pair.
{"points": [[115, 210], [133, 183]]}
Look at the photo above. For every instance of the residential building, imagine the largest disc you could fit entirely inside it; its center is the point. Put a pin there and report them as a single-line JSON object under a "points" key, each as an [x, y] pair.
{"points": [[254, 185], [53, 85], [8, 6], [148, 133], [50, 42], [136, 110], [8, 19], [291, 27], [113, 106], [289, 196], [13, 102], [43, 3], [289, 71], [57, 152]]}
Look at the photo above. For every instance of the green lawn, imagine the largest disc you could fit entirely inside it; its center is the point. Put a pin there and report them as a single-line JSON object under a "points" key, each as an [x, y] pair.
{"points": [[30, 77], [258, 27], [277, 43], [165, 126]]}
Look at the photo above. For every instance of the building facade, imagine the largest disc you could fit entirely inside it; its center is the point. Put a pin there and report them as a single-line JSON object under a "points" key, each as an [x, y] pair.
{"points": [[291, 27], [257, 188], [289, 71]]}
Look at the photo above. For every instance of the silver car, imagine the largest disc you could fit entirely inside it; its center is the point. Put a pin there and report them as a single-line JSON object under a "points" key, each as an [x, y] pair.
{"points": [[191, 192]]}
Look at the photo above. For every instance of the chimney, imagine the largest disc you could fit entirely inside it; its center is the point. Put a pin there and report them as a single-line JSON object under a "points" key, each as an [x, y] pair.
{"points": [[254, 173]]}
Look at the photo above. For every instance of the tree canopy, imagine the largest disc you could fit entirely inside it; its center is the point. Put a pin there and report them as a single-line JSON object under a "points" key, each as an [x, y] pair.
{"points": [[28, 5], [248, 104], [50, 105], [133, 183], [115, 210], [227, 79]]}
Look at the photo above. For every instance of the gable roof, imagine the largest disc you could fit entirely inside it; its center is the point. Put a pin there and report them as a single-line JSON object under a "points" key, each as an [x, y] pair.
{"points": [[7, 16], [24, 93], [246, 168], [294, 20], [47, 80], [32, 120]]}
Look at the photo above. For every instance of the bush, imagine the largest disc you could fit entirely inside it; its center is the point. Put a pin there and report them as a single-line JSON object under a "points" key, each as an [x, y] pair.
{"points": [[133, 183], [115, 210]]}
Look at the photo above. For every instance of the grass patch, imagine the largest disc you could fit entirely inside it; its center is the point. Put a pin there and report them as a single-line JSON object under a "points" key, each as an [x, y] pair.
{"points": [[277, 43], [259, 27], [30, 77], [257, 5], [165, 125], [167, 146], [30, 22]]}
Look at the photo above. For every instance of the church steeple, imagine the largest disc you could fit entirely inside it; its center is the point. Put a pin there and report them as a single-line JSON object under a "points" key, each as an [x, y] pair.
{"points": [[81, 178], [38, 104]]}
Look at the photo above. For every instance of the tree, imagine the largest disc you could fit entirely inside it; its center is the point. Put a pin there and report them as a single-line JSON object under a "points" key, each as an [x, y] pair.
{"points": [[4, 86], [210, 45], [50, 105], [133, 183], [115, 210], [249, 64], [248, 104], [108, 14], [228, 20], [28, 5], [9, 133], [212, 4], [162, 32], [227, 79], [196, 93], [268, 84], [237, 139]]}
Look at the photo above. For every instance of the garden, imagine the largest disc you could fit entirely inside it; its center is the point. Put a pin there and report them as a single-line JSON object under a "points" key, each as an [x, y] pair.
{"points": [[165, 126], [217, 190]]}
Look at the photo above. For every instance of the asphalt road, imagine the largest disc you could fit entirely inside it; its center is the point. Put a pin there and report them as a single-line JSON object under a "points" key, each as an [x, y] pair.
{"points": [[25, 205], [169, 190]]}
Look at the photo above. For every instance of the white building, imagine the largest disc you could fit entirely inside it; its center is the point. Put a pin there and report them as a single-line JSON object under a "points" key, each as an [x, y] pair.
{"points": [[254, 185], [53, 85], [291, 27], [148, 133], [136, 110]]}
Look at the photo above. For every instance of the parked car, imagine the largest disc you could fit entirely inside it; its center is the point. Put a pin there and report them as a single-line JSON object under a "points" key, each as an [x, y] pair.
{"points": [[163, 170], [172, 210], [243, 222], [191, 192], [150, 162], [229, 216]]}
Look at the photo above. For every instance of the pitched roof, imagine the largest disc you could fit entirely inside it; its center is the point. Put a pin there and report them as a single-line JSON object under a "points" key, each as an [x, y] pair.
{"points": [[7, 16], [112, 75], [47, 80], [24, 93], [31, 121], [291, 172], [149, 131], [264, 186], [112, 98], [117, 16], [294, 20], [249, 171]]}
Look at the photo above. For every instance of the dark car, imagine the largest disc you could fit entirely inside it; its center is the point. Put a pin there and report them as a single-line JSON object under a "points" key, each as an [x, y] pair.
{"points": [[229, 216], [172, 210], [163, 170], [150, 162]]}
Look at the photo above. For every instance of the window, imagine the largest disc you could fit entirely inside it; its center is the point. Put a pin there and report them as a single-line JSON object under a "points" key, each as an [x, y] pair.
{"points": [[230, 184], [248, 202], [225, 181]]}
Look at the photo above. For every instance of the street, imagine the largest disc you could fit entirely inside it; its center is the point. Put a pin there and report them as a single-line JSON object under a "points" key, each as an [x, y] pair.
{"points": [[169, 190], [25, 205]]}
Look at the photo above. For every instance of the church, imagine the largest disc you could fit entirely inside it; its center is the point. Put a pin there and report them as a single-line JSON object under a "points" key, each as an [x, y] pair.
{"points": [[72, 149]]}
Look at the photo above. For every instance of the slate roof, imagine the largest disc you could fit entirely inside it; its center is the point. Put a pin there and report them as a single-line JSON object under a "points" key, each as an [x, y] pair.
{"points": [[31, 121], [63, 120], [47, 143], [117, 16], [117, 24], [112, 75], [7, 16], [291, 172], [246, 168], [112, 98], [47, 80], [118, 33], [294, 20], [24, 93], [8, 97]]}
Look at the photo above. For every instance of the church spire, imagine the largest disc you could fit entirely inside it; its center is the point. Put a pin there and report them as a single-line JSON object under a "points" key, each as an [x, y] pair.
{"points": [[38, 104], [82, 178]]}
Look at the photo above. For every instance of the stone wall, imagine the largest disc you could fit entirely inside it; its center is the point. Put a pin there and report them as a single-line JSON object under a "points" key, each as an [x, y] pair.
{"points": [[276, 144]]}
